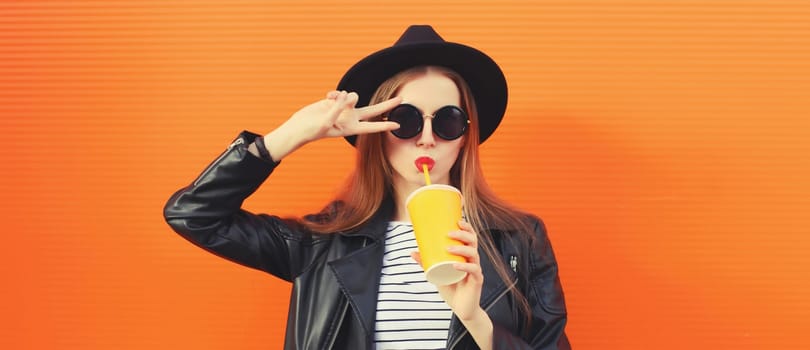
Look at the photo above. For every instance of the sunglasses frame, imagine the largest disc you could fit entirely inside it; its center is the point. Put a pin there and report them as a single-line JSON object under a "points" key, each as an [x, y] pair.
{"points": [[433, 116]]}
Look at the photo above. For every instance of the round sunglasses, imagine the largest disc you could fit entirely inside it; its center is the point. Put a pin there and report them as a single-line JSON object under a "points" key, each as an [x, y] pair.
{"points": [[449, 122]]}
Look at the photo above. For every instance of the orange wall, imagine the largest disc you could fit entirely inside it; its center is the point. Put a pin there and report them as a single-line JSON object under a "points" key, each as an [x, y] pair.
{"points": [[665, 143]]}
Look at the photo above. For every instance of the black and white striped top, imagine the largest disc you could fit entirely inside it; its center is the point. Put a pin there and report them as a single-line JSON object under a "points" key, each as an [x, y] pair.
{"points": [[410, 312]]}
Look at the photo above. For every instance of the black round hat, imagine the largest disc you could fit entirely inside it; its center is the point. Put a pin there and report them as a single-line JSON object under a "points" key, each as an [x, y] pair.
{"points": [[421, 45]]}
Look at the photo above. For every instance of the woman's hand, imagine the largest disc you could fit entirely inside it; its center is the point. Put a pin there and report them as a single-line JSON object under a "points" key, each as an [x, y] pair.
{"points": [[343, 119], [334, 116], [464, 296]]}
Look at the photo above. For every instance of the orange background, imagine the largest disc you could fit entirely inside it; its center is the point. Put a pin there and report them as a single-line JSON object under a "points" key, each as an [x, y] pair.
{"points": [[665, 143]]}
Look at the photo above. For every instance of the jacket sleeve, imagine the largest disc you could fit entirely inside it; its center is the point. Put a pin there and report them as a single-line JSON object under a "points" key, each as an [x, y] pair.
{"points": [[208, 213], [546, 329]]}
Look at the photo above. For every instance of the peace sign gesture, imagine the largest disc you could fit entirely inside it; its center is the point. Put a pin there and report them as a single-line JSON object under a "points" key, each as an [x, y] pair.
{"points": [[335, 116], [343, 119]]}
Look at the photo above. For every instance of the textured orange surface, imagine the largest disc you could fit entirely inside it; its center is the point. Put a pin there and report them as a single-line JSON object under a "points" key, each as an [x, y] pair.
{"points": [[665, 143]]}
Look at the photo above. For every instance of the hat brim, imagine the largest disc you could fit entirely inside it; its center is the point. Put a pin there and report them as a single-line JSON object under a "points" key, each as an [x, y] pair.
{"points": [[485, 79]]}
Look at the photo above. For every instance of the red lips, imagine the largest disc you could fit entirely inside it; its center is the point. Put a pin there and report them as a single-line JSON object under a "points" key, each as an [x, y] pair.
{"points": [[424, 161]]}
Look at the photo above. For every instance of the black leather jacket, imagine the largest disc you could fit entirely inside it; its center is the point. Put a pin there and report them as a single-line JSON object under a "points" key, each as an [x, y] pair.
{"points": [[336, 276]]}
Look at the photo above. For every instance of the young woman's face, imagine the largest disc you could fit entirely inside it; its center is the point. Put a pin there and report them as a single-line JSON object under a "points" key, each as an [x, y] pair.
{"points": [[428, 93]]}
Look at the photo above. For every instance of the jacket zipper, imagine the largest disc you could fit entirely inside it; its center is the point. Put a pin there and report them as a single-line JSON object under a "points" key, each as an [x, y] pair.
{"points": [[233, 144], [465, 331]]}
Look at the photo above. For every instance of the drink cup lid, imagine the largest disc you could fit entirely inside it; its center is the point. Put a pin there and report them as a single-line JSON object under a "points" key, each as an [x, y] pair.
{"points": [[431, 187]]}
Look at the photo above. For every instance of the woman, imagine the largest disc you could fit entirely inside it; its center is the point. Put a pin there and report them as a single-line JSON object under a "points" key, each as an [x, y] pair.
{"points": [[357, 282]]}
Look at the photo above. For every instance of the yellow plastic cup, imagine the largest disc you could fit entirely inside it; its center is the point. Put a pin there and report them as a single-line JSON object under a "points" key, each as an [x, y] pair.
{"points": [[435, 211]]}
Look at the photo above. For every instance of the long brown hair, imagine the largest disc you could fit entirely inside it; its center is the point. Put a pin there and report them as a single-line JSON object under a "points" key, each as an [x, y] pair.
{"points": [[371, 182]]}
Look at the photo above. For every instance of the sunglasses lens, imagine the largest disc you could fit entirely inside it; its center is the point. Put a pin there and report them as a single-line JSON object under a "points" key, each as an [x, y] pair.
{"points": [[450, 122], [409, 119]]}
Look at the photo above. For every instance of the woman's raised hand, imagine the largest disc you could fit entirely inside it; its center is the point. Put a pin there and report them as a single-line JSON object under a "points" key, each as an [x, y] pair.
{"points": [[335, 116]]}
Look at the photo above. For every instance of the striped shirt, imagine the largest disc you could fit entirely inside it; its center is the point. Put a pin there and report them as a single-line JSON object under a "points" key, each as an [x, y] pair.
{"points": [[410, 312]]}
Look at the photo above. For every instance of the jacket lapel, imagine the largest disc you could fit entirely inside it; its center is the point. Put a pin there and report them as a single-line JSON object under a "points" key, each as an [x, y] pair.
{"points": [[358, 273], [493, 285]]}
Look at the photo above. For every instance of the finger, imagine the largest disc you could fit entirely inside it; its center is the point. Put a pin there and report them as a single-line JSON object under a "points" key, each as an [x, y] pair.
{"points": [[417, 257], [372, 127], [337, 107], [379, 108], [351, 99], [465, 237], [467, 227], [473, 270], [464, 225], [331, 95], [468, 252]]}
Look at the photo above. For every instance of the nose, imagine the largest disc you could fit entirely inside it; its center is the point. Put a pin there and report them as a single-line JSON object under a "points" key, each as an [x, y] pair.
{"points": [[426, 138]]}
